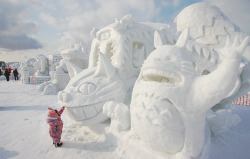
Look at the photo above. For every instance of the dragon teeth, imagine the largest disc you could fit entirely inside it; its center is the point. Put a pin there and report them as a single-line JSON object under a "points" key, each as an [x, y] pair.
{"points": [[77, 113], [84, 112], [89, 111]]}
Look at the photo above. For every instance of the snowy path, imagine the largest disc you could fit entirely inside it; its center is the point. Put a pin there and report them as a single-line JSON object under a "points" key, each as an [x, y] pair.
{"points": [[24, 131]]}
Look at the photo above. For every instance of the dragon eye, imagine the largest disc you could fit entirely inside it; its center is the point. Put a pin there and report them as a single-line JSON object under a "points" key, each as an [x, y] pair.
{"points": [[87, 88]]}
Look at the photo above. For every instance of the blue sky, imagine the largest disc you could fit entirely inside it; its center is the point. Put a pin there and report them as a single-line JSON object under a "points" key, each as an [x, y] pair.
{"points": [[51, 25]]}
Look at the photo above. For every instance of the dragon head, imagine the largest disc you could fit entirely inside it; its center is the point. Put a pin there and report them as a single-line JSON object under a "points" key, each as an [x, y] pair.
{"points": [[87, 92]]}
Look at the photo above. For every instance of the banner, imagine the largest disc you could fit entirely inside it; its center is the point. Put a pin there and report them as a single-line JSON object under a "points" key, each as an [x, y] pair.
{"points": [[244, 100]]}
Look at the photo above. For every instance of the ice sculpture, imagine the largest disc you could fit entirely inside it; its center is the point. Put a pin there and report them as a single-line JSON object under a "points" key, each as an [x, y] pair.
{"points": [[111, 74], [170, 99]]}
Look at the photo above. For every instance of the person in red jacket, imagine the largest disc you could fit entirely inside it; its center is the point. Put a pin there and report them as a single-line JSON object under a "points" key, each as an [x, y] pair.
{"points": [[56, 125]]}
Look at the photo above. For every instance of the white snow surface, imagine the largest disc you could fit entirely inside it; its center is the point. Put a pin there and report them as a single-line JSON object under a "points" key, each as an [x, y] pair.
{"points": [[25, 133]]}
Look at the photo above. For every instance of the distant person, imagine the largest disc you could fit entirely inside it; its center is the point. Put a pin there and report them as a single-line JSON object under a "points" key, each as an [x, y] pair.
{"points": [[7, 74], [0, 72], [15, 72], [56, 125], [9, 69]]}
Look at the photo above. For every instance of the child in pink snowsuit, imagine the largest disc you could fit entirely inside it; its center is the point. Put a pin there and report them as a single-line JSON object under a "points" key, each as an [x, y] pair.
{"points": [[56, 125]]}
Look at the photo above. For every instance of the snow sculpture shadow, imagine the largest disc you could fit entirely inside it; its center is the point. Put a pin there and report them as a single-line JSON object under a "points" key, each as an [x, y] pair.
{"points": [[5, 154], [170, 99]]}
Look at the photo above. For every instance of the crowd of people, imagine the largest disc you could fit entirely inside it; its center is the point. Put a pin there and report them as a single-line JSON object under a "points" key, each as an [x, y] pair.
{"points": [[8, 72]]}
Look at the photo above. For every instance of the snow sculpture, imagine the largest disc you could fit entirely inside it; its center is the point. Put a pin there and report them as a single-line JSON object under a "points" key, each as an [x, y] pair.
{"points": [[209, 26], [29, 64], [89, 90], [27, 69], [42, 70], [170, 99], [25, 75], [61, 76], [41, 65], [74, 60], [111, 74], [119, 114], [54, 60]]}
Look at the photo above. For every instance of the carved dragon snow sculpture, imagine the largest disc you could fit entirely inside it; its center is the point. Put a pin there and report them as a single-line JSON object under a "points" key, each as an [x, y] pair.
{"points": [[170, 99]]}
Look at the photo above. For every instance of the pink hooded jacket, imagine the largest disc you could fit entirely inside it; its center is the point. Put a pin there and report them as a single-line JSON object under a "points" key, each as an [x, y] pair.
{"points": [[56, 124]]}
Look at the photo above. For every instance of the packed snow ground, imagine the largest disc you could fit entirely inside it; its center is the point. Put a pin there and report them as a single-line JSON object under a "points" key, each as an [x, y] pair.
{"points": [[24, 131]]}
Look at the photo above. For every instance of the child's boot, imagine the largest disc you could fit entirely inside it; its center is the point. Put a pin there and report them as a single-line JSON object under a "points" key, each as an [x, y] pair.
{"points": [[58, 144]]}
